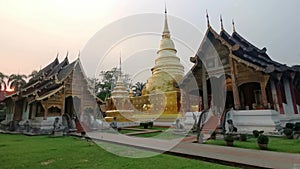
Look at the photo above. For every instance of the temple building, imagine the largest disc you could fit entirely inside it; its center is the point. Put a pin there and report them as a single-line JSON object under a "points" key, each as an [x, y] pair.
{"points": [[58, 90], [232, 73]]}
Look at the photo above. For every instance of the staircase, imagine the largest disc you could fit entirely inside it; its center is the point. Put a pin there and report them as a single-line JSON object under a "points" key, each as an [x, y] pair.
{"points": [[209, 127]]}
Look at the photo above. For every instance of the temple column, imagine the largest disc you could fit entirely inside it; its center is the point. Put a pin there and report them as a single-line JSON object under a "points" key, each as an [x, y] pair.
{"points": [[293, 92], [204, 88], [274, 95], [278, 91], [263, 85], [289, 100], [235, 91], [46, 110], [63, 100]]}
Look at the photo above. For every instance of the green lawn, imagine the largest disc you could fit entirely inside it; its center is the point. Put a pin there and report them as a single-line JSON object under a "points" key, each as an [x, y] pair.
{"points": [[22, 152], [275, 144]]}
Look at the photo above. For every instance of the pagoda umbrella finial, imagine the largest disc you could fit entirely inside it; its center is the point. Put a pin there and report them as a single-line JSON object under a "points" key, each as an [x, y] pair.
{"points": [[166, 32], [221, 20], [233, 25], [207, 18]]}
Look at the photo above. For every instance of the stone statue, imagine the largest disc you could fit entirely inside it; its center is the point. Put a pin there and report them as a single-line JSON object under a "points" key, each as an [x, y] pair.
{"points": [[179, 125], [231, 127], [57, 128], [179, 128], [195, 123]]}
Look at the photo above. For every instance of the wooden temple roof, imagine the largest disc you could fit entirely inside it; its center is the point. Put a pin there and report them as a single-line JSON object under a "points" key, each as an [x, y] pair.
{"points": [[48, 81], [242, 50], [246, 51]]}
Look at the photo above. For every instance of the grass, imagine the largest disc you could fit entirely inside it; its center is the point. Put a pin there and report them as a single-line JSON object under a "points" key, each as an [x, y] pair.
{"points": [[277, 144], [22, 152]]}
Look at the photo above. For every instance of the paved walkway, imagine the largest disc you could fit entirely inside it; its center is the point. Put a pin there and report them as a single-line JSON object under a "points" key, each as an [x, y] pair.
{"points": [[220, 154]]}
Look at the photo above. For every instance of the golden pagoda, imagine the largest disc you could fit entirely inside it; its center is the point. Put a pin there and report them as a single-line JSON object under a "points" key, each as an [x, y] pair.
{"points": [[168, 71], [119, 102], [162, 87], [160, 100]]}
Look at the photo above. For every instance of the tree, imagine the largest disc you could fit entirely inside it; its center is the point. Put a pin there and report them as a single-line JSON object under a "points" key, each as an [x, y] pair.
{"points": [[108, 80], [137, 88], [33, 74], [2, 82], [16, 81]]}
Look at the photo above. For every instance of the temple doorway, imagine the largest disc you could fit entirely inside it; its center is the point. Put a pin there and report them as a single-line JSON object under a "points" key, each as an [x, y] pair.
{"points": [[251, 96]]}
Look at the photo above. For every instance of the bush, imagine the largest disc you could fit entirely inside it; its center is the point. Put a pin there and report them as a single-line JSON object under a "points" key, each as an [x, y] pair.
{"points": [[262, 139], [289, 125], [150, 124], [255, 133], [297, 126], [146, 124], [288, 132], [228, 138], [243, 137]]}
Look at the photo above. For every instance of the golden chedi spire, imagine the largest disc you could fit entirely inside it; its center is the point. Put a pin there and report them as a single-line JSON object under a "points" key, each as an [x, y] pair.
{"points": [[168, 69]]}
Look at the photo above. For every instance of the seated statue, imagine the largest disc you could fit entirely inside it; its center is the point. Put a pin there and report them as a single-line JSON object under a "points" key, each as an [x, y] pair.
{"points": [[57, 128], [179, 128], [179, 125], [231, 127]]}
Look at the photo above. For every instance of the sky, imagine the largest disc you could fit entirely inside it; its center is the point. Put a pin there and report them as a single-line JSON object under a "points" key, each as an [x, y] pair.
{"points": [[33, 32]]}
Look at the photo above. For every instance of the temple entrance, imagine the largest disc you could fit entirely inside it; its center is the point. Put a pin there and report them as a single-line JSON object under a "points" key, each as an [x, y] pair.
{"points": [[229, 94], [251, 96], [217, 94], [72, 111], [72, 106]]}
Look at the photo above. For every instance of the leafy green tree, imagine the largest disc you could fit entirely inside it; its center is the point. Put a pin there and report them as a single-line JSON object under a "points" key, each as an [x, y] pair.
{"points": [[16, 81], [3, 85]]}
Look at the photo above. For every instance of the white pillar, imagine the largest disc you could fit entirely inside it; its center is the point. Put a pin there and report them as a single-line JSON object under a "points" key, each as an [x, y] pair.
{"points": [[289, 110]]}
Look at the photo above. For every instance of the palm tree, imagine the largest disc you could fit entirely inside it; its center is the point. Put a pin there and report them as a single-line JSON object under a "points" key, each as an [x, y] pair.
{"points": [[33, 74], [16, 81], [138, 88], [2, 82]]}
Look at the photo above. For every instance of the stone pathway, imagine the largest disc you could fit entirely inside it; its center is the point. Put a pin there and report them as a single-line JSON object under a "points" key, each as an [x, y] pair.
{"points": [[218, 154]]}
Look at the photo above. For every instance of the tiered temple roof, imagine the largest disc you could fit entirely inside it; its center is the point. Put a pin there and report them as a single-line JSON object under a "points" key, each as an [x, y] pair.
{"points": [[48, 80], [246, 52]]}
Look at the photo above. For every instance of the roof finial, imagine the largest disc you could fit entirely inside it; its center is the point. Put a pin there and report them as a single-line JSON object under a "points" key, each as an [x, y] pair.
{"points": [[233, 26], [67, 54], [120, 64], [166, 32], [57, 54], [78, 54], [221, 20], [207, 17]]}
